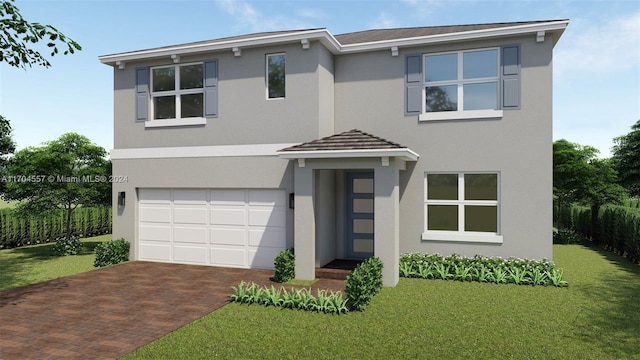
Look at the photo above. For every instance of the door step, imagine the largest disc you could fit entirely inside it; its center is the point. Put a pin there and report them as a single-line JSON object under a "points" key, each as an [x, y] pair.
{"points": [[336, 274]]}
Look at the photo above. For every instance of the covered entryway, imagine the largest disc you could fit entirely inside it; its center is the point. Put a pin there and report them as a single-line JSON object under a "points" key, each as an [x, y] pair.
{"points": [[227, 227], [367, 204]]}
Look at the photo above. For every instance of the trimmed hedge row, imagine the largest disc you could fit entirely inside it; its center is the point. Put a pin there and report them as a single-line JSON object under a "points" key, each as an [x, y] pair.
{"points": [[16, 230], [619, 228]]}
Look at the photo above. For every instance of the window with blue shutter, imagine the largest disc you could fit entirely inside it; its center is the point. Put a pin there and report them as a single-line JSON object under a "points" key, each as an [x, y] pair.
{"points": [[465, 84], [177, 94]]}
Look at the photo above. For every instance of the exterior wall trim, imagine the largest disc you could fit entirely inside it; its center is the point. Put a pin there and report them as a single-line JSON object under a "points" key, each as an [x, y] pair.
{"points": [[198, 151], [330, 42], [405, 154]]}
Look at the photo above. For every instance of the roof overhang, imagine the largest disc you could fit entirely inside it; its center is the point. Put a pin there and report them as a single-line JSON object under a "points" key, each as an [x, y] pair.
{"points": [[332, 44], [403, 154]]}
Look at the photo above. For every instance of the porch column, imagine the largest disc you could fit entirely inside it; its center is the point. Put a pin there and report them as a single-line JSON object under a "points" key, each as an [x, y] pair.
{"points": [[304, 235], [386, 220]]}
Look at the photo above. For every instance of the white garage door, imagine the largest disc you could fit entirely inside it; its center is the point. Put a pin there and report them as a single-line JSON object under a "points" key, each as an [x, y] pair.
{"points": [[237, 228]]}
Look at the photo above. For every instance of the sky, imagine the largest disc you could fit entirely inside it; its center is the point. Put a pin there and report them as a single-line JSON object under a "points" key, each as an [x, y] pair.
{"points": [[596, 89]]}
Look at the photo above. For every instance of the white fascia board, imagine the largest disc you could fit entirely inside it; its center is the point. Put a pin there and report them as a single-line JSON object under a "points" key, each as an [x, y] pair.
{"points": [[459, 36], [198, 151], [404, 154], [321, 34]]}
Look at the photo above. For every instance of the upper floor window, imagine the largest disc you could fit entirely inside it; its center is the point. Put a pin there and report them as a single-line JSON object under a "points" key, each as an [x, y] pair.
{"points": [[275, 76], [177, 92], [461, 81], [465, 84]]}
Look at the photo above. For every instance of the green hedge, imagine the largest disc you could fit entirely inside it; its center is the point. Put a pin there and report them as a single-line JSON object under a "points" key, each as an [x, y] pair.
{"points": [[619, 228], [16, 230]]}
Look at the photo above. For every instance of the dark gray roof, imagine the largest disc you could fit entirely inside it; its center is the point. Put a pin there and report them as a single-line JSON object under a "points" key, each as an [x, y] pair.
{"points": [[348, 140], [404, 33]]}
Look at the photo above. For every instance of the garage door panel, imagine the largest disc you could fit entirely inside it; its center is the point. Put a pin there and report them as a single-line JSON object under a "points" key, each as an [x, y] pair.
{"points": [[154, 196], [196, 235], [267, 197], [190, 196], [225, 227], [229, 256], [155, 252], [228, 197], [263, 257], [268, 237], [190, 254], [154, 214], [224, 236], [228, 216], [189, 215], [267, 216], [155, 233]]}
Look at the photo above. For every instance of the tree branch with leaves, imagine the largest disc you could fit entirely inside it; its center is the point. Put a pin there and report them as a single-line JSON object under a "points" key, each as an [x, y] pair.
{"points": [[18, 37]]}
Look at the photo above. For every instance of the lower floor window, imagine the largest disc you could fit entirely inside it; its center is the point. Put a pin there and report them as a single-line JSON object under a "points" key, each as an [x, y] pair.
{"points": [[462, 202]]}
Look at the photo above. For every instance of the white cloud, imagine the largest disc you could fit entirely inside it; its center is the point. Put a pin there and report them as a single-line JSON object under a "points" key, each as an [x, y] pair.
{"points": [[242, 11], [383, 21], [311, 13], [600, 49], [248, 18]]}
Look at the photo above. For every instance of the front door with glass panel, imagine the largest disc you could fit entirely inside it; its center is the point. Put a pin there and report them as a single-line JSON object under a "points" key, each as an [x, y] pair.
{"points": [[359, 215]]}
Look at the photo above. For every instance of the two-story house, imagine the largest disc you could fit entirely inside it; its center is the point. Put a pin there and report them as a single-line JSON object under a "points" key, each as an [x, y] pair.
{"points": [[373, 143]]}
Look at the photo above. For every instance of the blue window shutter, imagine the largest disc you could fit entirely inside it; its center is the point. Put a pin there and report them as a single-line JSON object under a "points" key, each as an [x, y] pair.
{"points": [[511, 77], [142, 94], [413, 84], [211, 88]]}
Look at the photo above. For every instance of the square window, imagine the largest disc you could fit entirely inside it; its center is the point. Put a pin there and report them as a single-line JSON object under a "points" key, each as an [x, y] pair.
{"points": [[483, 218], [442, 98], [177, 91], [442, 217], [462, 203], [461, 81], [442, 186]]}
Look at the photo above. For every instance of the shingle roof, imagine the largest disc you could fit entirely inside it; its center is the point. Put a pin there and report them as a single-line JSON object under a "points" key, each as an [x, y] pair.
{"points": [[348, 140], [404, 33]]}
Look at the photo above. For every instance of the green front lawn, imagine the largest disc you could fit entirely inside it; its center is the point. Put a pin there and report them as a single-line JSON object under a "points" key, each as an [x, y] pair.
{"points": [[596, 317], [32, 264]]}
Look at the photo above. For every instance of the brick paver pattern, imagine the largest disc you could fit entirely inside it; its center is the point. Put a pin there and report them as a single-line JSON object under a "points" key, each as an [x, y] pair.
{"points": [[109, 312]]}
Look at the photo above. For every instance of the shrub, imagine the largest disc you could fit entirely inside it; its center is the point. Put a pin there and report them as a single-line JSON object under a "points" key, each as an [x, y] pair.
{"points": [[64, 246], [20, 230], [566, 236], [363, 283], [111, 253], [302, 299], [481, 269], [285, 266]]}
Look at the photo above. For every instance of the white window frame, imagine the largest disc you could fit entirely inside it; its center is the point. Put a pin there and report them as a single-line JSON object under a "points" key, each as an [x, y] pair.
{"points": [[266, 75], [177, 121], [460, 113], [461, 235]]}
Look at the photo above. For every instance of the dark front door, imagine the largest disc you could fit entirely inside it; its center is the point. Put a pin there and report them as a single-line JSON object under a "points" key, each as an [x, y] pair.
{"points": [[359, 215]]}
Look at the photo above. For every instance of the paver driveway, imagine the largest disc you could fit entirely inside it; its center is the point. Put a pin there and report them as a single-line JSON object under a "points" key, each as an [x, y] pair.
{"points": [[109, 312]]}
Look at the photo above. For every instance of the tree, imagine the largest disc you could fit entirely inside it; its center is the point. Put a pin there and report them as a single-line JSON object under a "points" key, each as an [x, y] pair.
{"points": [[62, 174], [626, 159], [18, 36], [580, 177], [7, 147]]}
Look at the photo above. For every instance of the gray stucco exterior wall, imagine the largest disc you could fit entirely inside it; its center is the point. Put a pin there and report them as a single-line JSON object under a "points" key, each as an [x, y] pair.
{"points": [[518, 146]]}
